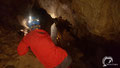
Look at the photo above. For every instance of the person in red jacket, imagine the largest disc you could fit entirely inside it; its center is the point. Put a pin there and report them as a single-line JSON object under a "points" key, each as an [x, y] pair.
{"points": [[40, 43]]}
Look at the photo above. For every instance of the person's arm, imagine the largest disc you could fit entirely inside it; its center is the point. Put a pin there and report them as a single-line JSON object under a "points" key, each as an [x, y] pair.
{"points": [[22, 48]]}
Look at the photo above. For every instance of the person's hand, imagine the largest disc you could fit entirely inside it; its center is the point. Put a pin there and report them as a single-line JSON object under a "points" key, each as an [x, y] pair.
{"points": [[26, 28], [25, 31]]}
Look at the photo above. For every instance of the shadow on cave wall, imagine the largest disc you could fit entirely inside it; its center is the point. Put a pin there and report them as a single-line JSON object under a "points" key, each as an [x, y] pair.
{"points": [[89, 49]]}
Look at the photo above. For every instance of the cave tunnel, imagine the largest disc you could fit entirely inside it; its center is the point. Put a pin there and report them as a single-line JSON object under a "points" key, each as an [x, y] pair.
{"points": [[89, 30]]}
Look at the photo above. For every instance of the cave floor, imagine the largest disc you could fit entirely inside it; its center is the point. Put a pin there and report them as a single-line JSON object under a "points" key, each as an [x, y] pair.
{"points": [[85, 53], [8, 53], [10, 59]]}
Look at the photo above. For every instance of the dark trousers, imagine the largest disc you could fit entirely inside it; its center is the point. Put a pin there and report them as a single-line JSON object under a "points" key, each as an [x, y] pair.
{"points": [[66, 63]]}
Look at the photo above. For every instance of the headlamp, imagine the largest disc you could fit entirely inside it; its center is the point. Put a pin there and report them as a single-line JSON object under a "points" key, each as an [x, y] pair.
{"points": [[30, 19], [33, 21]]}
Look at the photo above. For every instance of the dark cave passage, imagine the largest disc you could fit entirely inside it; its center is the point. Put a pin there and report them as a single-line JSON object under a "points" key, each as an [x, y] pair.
{"points": [[87, 30]]}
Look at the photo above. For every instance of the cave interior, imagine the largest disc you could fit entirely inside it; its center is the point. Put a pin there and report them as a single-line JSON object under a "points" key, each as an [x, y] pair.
{"points": [[87, 29]]}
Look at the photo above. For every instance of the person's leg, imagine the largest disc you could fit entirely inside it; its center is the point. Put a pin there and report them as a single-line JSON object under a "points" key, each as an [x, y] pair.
{"points": [[66, 63]]}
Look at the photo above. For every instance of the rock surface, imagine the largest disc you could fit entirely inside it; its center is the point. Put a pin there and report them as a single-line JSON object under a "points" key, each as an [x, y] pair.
{"points": [[94, 34], [100, 17]]}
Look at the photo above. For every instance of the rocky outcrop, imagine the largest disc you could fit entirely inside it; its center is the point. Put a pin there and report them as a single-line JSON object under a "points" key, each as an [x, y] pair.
{"points": [[99, 17]]}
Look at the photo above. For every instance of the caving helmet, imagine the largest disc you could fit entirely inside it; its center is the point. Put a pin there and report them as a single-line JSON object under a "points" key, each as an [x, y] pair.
{"points": [[33, 22]]}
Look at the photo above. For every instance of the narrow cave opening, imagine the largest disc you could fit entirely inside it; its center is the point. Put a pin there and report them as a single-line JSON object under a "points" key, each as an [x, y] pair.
{"points": [[87, 33]]}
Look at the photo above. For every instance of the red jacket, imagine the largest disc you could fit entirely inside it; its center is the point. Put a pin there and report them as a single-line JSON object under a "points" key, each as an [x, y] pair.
{"points": [[42, 46]]}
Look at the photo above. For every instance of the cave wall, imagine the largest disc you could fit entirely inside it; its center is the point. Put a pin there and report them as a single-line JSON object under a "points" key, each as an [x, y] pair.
{"points": [[9, 12], [99, 17]]}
